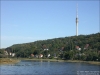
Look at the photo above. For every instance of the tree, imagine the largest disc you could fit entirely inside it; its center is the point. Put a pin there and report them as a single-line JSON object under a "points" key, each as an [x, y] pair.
{"points": [[69, 55], [83, 57]]}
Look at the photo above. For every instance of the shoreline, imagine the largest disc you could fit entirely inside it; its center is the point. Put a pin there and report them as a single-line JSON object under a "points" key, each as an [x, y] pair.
{"points": [[8, 61], [88, 62], [72, 61], [15, 60]]}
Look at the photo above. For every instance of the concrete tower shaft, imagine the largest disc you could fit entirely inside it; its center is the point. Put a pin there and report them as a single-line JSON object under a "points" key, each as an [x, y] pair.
{"points": [[77, 21]]}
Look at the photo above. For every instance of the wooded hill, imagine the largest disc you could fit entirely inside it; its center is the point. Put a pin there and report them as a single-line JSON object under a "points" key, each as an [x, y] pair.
{"points": [[57, 46]]}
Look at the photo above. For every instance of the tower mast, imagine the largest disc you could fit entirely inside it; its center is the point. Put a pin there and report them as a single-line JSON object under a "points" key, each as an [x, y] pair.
{"points": [[77, 21]]}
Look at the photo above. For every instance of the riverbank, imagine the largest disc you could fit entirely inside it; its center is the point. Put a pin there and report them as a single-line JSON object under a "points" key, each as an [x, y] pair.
{"points": [[8, 61], [89, 62], [74, 61], [14, 60], [43, 59]]}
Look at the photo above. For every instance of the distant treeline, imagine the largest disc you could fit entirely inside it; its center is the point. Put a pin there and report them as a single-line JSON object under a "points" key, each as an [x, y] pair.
{"points": [[82, 47]]}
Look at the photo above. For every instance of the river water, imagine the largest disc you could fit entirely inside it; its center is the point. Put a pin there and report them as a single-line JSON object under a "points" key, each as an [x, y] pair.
{"points": [[29, 67]]}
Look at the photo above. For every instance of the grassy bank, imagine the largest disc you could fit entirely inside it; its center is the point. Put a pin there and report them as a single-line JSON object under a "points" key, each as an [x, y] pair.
{"points": [[74, 61], [93, 62], [42, 59], [8, 61], [89, 62], [14, 60]]}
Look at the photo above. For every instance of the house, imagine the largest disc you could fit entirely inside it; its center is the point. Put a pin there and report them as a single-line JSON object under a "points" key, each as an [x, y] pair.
{"points": [[6, 53], [78, 48], [36, 56], [13, 54], [48, 55], [41, 55], [10, 53], [86, 46], [32, 55], [46, 49]]}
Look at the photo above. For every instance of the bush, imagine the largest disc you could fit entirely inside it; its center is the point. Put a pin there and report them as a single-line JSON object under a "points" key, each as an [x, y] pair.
{"points": [[51, 57], [3, 56]]}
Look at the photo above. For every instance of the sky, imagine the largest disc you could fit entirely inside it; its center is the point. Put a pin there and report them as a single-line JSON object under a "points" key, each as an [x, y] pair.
{"points": [[26, 21]]}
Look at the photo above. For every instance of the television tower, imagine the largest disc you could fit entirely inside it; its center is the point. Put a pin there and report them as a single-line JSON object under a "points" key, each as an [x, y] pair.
{"points": [[77, 21]]}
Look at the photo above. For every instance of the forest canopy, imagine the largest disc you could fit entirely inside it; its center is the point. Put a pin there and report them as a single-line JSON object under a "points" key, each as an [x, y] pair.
{"points": [[82, 47]]}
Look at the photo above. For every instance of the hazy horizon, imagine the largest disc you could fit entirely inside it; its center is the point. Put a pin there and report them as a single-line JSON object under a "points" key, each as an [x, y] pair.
{"points": [[45, 39]]}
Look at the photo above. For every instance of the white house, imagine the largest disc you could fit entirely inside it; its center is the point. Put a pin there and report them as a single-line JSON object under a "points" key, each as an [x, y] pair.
{"points": [[79, 49], [13, 54], [48, 55], [46, 49], [10, 53]]}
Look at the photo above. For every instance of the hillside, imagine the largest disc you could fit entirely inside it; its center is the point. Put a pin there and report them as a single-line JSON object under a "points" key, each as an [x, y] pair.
{"points": [[56, 46]]}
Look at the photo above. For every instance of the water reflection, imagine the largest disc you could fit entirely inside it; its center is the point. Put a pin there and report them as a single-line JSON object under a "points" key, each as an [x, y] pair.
{"points": [[46, 67]]}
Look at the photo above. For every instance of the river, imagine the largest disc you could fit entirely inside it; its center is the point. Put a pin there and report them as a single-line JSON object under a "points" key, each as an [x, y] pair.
{"points": [[32, 67]]}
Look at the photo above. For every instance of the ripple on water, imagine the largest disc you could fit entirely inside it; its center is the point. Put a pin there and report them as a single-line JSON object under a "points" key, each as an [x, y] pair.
{"points": [[45, 68]]}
